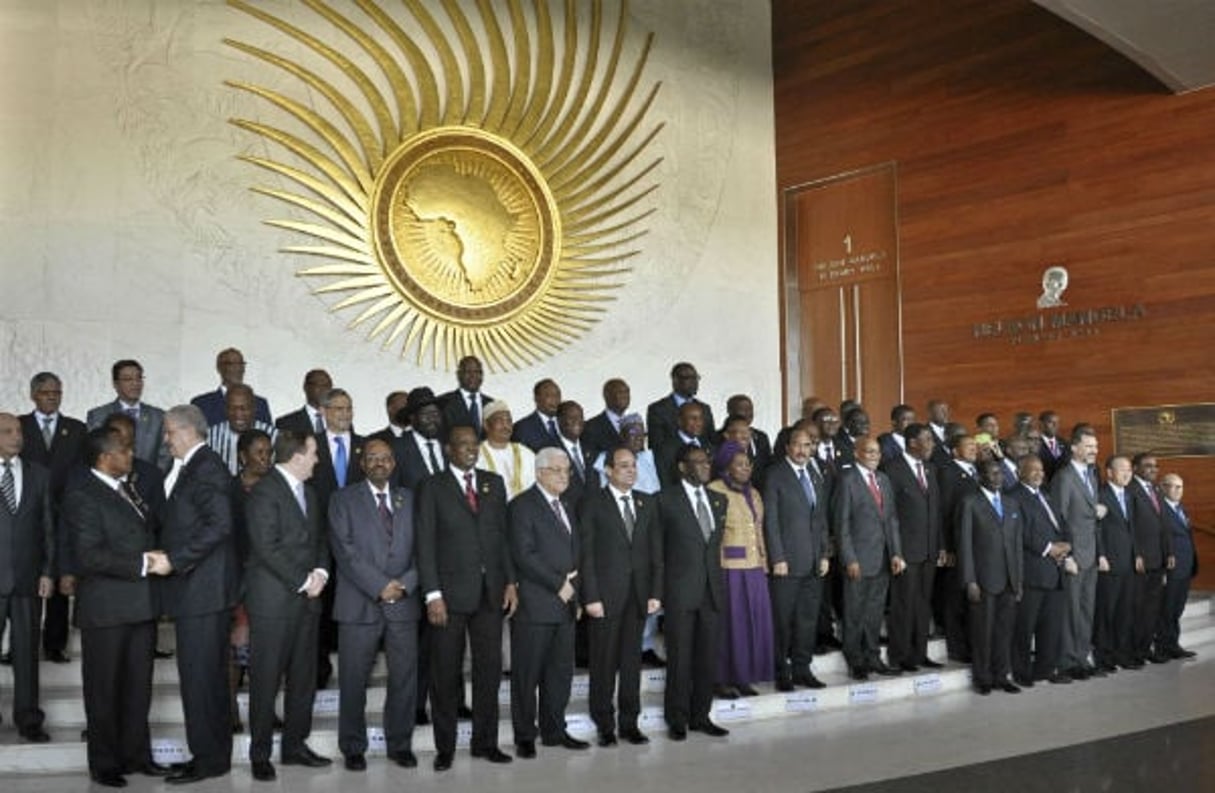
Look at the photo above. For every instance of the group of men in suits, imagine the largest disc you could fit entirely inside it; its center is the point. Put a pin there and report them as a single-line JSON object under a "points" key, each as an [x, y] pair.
{"points": [[1051, 574]]}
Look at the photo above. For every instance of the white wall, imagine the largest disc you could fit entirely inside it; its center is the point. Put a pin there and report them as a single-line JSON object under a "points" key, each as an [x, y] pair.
{"points": [[129, 231]]}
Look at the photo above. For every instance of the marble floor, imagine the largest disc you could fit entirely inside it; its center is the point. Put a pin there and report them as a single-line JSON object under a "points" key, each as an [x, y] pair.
{"points": [[885, 747]]}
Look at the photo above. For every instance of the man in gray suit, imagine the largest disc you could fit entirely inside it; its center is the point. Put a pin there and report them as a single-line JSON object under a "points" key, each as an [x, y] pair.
{"points": [[795, 531], [127, 376], [1075, 490], [377, 600], [867, 535]]}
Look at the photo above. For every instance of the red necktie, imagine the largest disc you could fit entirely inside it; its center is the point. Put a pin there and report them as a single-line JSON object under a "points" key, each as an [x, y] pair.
{"points": [[469, 493], [875, 490], [1151, 491], [919, 472], [385, 515]]}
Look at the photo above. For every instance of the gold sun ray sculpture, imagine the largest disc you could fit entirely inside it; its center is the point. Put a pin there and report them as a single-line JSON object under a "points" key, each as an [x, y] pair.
{"points": [[474, 177]]}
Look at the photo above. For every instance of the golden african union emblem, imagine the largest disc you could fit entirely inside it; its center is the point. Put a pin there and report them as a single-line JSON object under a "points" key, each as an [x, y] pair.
{"points": [[469, 195]]}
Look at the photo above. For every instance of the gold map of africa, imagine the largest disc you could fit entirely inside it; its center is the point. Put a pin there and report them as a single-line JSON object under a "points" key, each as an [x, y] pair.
{"points": [[466, 225]]}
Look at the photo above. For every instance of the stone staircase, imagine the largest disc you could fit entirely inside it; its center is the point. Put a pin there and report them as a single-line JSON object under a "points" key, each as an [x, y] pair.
{"points": [[61, 699]]}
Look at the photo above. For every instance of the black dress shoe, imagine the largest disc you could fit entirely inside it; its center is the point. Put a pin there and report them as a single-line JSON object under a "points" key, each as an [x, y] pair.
{"points": [[886, 671], [1107, 667], [808, 680], [421, 718], [1132, 665], [982, 689], [650, 659], [725, 692], [442, 761], [1079, 673], [525, 749], [710, 729], [190, 776], [907, 666], [6, 659], [1181, 652], [1023, 682], [109, 778], [677, 733], [356, 762], [784, 684], [1058, 678], [606, 739], [859, 673], [928, 663], [566, 741], [161, 655], [263, 771], [34, 734], [1097, 671], [748, 691], [405, 758], [1159, 657], [305, 757], [635, 736], [493, 754], [464, 712], [153, 769], [1008, 687], [57, 656]]}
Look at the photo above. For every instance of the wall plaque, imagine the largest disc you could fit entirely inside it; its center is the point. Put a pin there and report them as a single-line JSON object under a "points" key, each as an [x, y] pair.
{"points": [[1166, 430]]}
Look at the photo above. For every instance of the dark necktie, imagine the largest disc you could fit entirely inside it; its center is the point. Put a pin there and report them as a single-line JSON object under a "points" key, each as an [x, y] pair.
{"points": [[919, 474], [318, 426], [8, 485], [1151, 492], [474, 410], [807, 487], [552, 428], [560, 513], [470, 494], [131, 496], [630, 519], [702, 514], [579, 464], [385, 515], [1185, 520], [1049, 512], [434, 459], [1088, 482], [48, 432], [133, 413]]}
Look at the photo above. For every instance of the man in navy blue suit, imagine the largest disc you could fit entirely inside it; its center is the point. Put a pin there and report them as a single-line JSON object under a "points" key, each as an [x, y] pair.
{"points": [[230, 363], [1182, 567]]}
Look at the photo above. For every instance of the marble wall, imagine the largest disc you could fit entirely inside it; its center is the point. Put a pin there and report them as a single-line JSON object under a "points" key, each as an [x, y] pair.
{"points": [[129, 229]]}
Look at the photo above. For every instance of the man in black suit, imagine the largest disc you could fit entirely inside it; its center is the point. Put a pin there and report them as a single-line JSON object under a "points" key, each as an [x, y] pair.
{"points": [[57, 442], [419, 451], [602, 431], [544, 549], [621, 572], [583, 476], [796, 535], [758, 445], [468, 583], [339, 453], [196, 534], [828, 423], [284, 576], [398, 417], [1117, 564], [990, 559], [538, 429], [27, 563], [867, 536], [309, 419], [917, 498], [855, 426], [230, 365], [1182, 568], [958, 479], [464, 407], [662, 418], [692, 520], [689, 431], [116, 607], [938, 422], [1045, 546], [1153, 550], [371, 534], [1052, 451], [894, 443]]}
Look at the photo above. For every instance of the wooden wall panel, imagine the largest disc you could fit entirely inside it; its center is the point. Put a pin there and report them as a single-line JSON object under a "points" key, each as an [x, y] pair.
{"points": [[1020, 142]]}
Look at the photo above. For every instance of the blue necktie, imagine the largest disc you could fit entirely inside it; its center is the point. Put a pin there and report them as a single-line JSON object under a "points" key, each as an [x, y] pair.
{"points": [[997, 505], [807, 486], [340, 461], [1122, 501], [1185, 521]]}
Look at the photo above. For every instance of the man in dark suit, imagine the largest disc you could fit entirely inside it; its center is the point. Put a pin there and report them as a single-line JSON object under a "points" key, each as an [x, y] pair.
{"points": [[1117, 564], [1044, 545], [938, 422], [56, 442], [1052, 451], [583, 476], [116, 608], [758, 444], [538, 429], [689, 431], [27, 564], [1182, 568], [464, 407], [957, 479], [230, 364], [371, 535], [828, 423], [309, 419], [894, 443], [692, 520], [796, 535], [398, 417], [196, 534], [544, 549], [602, 431], [419, 451], [284, 576], [867, 536], [990, 559], [149, 421], [1074, 488], [917, 499], [1153, 549], [468, 583], [339, 453], [621, 572], [855, 426], [662, 417]]}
